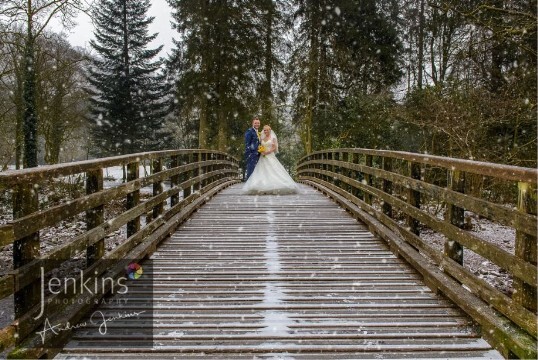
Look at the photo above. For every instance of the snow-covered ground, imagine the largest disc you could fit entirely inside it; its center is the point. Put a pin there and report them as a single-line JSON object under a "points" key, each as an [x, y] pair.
{"points": [[496, 234]]}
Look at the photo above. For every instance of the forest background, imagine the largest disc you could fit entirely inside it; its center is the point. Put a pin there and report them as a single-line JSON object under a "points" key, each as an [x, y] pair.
{"points": [[441, 77]]}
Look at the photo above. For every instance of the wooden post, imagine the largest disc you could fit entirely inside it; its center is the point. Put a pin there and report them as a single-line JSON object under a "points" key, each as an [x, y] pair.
{"points": [[324, 166], [204, 169], [215, 167], [525, 294], [186, 175], [347, 172], [386, 163], [336, 169], [212, 168], [133, 198], [368, 178], [174, 180], [455, 216], [26, 249], [157, 188], [319, 165], [356, 176], [196, 157], [95, 216], [413, 196]]}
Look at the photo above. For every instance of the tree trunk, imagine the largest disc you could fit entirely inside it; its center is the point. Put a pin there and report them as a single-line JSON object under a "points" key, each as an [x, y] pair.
{"points": [[313, 72], [19, 113], [203, 127], [497, 50], [29, 100], [222, 134], [420, 44], [267, 92]]}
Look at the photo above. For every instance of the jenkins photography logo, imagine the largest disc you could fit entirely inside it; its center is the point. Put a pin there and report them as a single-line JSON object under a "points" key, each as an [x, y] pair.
{"points": [[103, 297]]}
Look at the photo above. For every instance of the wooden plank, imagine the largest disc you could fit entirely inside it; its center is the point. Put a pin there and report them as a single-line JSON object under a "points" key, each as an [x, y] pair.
{"points": [[508, 339], [243, 286]]}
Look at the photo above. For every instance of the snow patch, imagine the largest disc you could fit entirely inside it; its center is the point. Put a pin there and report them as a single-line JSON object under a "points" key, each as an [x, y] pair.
{"points": [[275, 322]]}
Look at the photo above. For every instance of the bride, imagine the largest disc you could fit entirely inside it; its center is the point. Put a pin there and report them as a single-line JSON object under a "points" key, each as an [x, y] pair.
{"points": [[269, 176]]}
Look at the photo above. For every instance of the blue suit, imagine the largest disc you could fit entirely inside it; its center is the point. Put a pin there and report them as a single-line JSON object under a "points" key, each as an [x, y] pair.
{"points": [[252, 142]]}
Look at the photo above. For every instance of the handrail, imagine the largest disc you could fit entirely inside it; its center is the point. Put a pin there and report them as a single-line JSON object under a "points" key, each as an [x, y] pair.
{"points": [[383, 187], [501, 171], [194, 176], [12, 177]]}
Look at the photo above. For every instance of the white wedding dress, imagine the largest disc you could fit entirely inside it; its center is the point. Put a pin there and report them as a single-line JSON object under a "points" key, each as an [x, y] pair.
{"points": [[269, 176]]}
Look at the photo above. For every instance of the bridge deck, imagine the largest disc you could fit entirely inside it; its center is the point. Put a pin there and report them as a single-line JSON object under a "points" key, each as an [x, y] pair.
{"points": [[283, 276]]}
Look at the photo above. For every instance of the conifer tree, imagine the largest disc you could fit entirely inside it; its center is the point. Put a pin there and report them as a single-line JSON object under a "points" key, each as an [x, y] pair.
{"points": [[129, 91], [219, 64], [342, 49]]}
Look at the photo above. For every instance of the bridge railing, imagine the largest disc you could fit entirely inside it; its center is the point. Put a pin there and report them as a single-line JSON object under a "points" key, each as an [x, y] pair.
{"points": [[393, 192], [193, 177]]}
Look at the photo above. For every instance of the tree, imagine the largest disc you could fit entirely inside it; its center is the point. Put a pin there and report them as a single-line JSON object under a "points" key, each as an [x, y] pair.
{"points": [[129, 91], [11, 46], [34, 15], [343, 49], [222, 75], [61, 102]]}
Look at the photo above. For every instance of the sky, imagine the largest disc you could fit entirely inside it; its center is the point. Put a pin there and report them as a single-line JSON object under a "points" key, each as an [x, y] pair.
{"points": [[83, 32]]}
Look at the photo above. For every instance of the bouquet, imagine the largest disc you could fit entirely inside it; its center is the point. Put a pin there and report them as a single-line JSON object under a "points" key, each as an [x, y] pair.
{"points": [[261, 149]]}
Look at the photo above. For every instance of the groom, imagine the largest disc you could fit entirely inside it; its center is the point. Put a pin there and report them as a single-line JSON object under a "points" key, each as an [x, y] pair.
{"points": [[252, 141]]}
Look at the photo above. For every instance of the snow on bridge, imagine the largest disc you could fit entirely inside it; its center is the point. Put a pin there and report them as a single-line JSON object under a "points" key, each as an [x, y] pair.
{"points": [[279, 276]]}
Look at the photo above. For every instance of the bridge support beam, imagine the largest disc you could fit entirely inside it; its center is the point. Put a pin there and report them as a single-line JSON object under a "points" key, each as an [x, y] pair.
{"points": [[157, 188], [387, 186], [196, 157], [357, 176], [26, 249], [525, 294], [455, 216], [186, 175], [95, 216], [413, 196], [203, 157], [174, 180], [368, 178], [133, 199]]}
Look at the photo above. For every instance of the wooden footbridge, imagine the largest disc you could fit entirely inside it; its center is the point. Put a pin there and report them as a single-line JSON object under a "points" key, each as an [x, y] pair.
{"points": [[341, 270]]}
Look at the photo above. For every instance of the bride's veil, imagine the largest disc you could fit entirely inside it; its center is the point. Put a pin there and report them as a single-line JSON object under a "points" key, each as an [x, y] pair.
{"points": [[273, 136]]}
